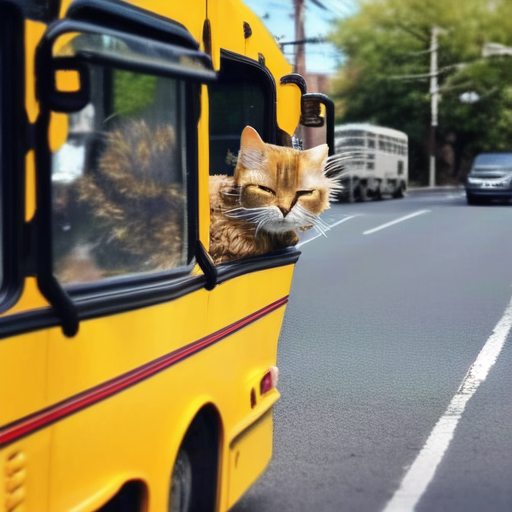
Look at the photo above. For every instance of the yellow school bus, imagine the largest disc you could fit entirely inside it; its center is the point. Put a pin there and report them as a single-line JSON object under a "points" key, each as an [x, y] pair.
{"points": [[135, 375]]}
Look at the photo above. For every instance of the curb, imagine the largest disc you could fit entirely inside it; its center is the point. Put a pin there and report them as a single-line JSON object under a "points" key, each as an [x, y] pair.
{"points": [[435, 190]]}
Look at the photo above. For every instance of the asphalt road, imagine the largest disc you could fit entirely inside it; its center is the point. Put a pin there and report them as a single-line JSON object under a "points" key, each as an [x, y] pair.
{"points": [[380, 332]]}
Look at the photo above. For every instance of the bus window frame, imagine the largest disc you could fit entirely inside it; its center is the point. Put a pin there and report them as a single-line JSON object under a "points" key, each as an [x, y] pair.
{"points": [[282, 257], [127, 292], [13, 147], [268, 85]]}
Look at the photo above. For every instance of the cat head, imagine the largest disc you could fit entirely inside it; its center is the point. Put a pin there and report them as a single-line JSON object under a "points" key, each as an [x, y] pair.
{"points": [[281, 189]]}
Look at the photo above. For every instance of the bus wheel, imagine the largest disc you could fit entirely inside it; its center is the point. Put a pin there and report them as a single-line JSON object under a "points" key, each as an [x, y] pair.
{"points": [[363, 193], [399, 193], [181, 483], [356, 193], [193, 486]]}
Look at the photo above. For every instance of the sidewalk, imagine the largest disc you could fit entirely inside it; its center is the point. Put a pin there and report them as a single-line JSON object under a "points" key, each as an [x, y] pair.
{"points": [[436, 190]]}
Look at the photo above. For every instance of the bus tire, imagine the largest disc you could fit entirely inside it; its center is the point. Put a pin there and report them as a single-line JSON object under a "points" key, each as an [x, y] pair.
{"points": [[194, 476], [181, 483], [399, 193], [363, 193], [352, 191], [356, 193]]}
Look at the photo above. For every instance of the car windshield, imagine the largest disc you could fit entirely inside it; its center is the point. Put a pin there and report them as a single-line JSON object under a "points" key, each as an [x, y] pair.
{"points": [[493, 161]]}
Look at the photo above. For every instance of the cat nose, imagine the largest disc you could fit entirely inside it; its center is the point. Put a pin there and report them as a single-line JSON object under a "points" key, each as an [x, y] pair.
{"points": [[284, 211]]}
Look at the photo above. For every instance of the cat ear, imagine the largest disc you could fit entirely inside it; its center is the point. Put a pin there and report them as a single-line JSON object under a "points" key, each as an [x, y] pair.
{"points": [[252, 148], [318, 155]]}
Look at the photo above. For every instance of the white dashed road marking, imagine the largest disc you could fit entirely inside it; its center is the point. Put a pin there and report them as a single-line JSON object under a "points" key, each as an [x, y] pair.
{"points": [[330, 227], [401, 219], [422, 471]]}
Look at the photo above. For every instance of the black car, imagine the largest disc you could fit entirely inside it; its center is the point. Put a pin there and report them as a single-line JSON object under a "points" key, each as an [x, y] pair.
{"points": [[490, 178]]}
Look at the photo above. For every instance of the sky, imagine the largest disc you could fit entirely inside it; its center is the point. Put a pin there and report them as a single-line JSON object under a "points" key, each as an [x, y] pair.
{"points": [[278, 17]]}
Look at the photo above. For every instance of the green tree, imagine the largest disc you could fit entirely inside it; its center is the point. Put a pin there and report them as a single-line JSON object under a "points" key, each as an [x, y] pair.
{"points": [[387, 40]]}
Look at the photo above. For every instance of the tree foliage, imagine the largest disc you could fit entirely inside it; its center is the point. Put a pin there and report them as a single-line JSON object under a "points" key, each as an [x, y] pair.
{"points": [[387, 40]]}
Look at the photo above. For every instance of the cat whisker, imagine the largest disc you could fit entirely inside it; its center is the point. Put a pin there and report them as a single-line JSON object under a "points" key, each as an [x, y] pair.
{"points": [[260, 226], [310, 218], [258, 216], [242, 212]]}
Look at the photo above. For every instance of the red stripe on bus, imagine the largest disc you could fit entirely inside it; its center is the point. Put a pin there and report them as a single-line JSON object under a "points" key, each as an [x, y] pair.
{"points": [[40, 419]]}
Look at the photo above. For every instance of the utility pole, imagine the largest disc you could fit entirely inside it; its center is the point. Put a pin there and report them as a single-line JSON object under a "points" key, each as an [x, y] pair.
{"points": [[434, 100], [300, 54]]}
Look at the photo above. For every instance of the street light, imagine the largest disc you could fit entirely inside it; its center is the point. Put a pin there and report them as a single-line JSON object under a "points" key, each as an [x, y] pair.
{"points": [[469, 97], [490, 49]]}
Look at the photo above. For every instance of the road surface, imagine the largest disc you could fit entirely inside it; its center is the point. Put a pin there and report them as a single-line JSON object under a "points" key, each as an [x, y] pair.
{"points": [[387, 316]]}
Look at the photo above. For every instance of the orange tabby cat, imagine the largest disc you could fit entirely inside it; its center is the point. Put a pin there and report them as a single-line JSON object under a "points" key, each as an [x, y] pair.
{"points": [[275, 193]]}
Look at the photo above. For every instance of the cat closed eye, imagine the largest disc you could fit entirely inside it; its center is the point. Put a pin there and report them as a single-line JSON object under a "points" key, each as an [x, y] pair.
{"points": [[304, 193], [266, 189]]}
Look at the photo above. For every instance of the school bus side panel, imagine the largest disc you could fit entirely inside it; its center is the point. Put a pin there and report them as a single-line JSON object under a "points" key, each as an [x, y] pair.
{"points": [[257, 347], [25, 463], [136, 433]]}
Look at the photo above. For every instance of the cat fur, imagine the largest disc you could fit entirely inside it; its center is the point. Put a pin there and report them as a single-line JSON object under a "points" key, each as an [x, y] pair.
{"points": [[276, 193]]}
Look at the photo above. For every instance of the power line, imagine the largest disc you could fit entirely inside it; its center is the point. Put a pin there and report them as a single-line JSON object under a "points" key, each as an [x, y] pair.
{"points": [[305, 41]]}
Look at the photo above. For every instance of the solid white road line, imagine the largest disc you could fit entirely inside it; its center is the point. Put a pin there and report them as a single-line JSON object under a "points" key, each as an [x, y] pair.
{"points": [[330, 227], [378, 228], [422, 471]]}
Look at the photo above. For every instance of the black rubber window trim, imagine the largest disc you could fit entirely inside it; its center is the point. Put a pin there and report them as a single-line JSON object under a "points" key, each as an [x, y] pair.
{"points": [[266, 80], [119, 300], [13, 146], [38, 10], [118, 15]]}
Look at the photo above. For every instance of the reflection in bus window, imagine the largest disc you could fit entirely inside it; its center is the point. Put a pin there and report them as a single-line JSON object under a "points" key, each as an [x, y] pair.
{"points": [[119, 202]]}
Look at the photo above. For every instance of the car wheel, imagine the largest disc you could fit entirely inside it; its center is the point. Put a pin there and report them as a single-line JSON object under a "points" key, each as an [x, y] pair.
{"points": [[473, 200], [181, 483]]}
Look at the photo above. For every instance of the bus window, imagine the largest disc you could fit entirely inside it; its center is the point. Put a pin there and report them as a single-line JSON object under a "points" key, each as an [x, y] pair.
{"points": [[119, 190], [356, 138], [237, 99]]}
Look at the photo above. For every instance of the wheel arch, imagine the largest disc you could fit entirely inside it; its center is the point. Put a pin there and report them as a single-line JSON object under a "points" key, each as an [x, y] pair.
{"points": [[132, 496], [202, 439]]}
